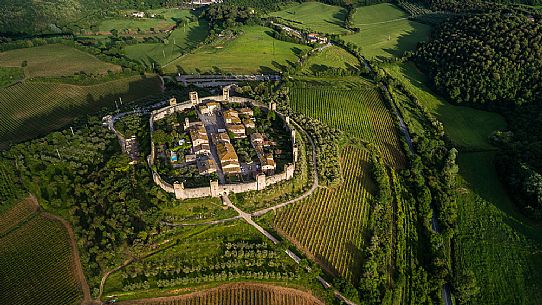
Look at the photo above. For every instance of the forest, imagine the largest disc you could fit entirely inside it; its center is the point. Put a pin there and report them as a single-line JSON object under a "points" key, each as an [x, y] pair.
{"points": [[492, 61]]}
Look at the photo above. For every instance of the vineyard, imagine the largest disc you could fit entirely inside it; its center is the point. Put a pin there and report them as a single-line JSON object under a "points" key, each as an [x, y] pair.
{"points": [[359, 112], [20, 212], [30, 109], [238, 294], [8, 189], [328, 225], [36, 264]]}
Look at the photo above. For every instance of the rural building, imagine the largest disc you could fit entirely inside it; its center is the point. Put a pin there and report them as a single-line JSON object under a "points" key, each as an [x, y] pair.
{"points": [[138, 14], [256, 139], [198, 134], [188, 159], [207, 166], [249, 123], [237, 129], [231, 116], [316, 38], [246, 111], [228, 158], [202, 149], [221, 137]]}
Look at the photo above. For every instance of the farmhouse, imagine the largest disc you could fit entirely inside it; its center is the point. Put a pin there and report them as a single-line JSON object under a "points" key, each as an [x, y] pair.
{"points": [[316, 38], [228, 158], [231, 116]]}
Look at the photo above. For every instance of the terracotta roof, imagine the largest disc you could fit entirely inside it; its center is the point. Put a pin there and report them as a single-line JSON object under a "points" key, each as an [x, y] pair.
{"points": [[226, 152]]}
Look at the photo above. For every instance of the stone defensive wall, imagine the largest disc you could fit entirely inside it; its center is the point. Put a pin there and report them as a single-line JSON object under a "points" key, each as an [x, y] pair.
{"points": [[215, 189]]}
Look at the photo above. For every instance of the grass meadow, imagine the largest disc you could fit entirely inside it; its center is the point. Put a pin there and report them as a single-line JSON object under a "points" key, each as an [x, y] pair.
{"points": [[10, 75], [180, 41], [466, 127], [493, 240], [334, 57], [126, 25], [252, 51], [315, 16], [385, 31], [54, 60]]}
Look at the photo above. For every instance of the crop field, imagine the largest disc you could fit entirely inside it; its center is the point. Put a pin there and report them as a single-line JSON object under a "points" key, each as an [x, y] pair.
{"points": [[238, 294], [34, 108], [253, 51], [465, 126], [360, 112], [495, 241], [327, 226], [385, 31], [125, 25], [21, 211], [315, 16], [179, 42], [36, 265], [334, 57], [55, 60], [8, 189]]}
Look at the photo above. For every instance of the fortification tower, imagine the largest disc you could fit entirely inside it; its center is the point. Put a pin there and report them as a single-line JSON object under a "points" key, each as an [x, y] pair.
{"points": [[293, 136], [260, 182], [172, 101], [226, 93], [213, 184], [296, 153], [194, 98], [290, 169], [179, 190]]}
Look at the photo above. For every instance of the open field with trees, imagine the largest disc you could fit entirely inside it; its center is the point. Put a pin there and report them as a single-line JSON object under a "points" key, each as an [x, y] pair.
{"points": [[385, 31], [466, 127], [238, 294], [179, 41], [34, 108], [313, 16], [329, 225], [36, 260], [165, 19], [9, 185], [204, 255], [54, 60], [330, 58], [360, 112], [253, 50]]}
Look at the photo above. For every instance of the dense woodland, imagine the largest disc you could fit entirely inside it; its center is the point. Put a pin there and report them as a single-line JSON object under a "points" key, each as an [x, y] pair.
{"points": [[493, 61]]}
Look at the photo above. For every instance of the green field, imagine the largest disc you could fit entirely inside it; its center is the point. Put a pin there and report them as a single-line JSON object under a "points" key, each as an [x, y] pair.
{"points": [[253, 51], [180, 41], [330, 57], [385, 31], [359, 112], [9, 76], [315, 16], [465, 126], [126, 25], [35, 108], [196, 211], [55, 60], [493, 240], [36, 265], [496, 242], [204, 255]]}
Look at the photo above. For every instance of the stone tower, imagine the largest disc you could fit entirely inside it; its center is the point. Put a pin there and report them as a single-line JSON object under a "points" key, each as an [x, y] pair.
{"points": [[226, 93], [213, 184], [179, 190], [194, 98], [260, 182], [296, 154], [293, 136], [172, 101]]}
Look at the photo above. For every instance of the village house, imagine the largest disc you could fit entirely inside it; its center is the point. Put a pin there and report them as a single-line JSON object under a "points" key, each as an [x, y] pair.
{"points": [[267, 162], [189, 159], [237, 129], [206, 166], [202, 149], [221, 137], [249, 123], [231, 116], [198, 134], [228, 158], [246, 111]]}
